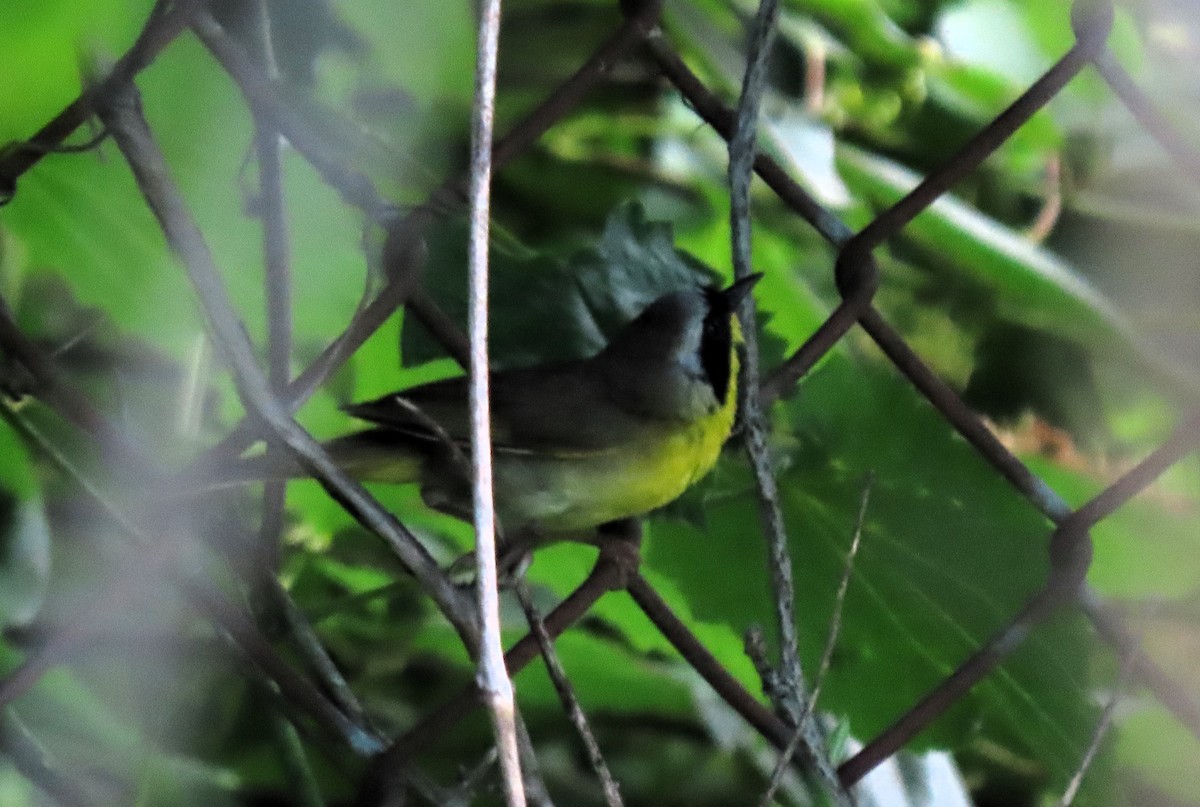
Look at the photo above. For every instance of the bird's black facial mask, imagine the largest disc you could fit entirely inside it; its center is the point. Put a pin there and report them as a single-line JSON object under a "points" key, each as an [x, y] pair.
{"points": [[716, 337], [716, 341]]}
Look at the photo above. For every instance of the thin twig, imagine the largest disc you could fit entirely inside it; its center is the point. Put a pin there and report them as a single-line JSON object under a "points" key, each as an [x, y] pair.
{"points": [[278, 283], [531, 770], [167, 20], [741, 160], [316, 658], [71, 148], [788, 691], [67, 401], [617, 563], [1128, 668], [277, 279], [1052, 202], [255, 84], [835, 627], [364, 324], [492, 677], [764, 721], [566, 695], [21, 748], [464, 792], [297, 689]]}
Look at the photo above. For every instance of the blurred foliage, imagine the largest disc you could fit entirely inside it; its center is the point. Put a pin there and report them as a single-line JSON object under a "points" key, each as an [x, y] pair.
{"points": [[1055, 288]]}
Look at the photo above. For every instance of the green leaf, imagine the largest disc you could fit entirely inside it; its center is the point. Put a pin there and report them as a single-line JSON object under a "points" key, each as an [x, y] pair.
{"points": [[81, 217], [1161, 751], [1032, 286], [866, 29], [544, 309], [949, 554], [42, 44], [608, 678], [963, 99]]}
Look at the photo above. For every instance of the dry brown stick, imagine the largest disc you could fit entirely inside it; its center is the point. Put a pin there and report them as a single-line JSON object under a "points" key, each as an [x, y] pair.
{"points": [[784, 682], [277, 282]]}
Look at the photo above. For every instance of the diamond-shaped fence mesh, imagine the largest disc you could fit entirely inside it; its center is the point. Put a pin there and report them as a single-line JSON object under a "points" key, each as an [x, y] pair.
{"points": [[856, 272]]}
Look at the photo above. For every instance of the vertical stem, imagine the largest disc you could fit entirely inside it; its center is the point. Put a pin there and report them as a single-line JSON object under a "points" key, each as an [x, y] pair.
{"points": [[741, 160], [275, 231], [787, 689], [494, 683], [278, 290]]}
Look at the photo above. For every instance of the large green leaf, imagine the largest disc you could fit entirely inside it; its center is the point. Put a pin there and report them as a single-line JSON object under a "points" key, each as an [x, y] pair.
{"points": [[949, 553], [43, 42], [543, 309], [1031, 285], [1162, 751]]}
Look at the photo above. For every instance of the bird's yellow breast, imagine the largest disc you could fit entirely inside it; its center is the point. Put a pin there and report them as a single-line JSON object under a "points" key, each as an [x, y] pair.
{"points": [[578, 492]]}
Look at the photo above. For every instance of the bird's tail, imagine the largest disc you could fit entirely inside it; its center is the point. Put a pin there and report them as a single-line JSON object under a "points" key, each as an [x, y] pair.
{"points": [[375, 455]]}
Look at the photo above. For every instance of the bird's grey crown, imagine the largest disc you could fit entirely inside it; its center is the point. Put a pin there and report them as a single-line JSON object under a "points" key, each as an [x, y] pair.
{"points": [[654, 364]]}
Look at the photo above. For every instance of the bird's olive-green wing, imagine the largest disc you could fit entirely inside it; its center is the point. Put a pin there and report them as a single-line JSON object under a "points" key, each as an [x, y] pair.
{"points": [[557, 409]]}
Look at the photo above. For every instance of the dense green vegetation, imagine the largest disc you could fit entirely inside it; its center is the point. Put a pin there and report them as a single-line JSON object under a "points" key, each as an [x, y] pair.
{"points": [[1055, 288]]}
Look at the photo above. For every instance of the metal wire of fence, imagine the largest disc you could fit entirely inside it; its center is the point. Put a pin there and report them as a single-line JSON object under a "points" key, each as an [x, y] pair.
{"points": [[1068, 543]]}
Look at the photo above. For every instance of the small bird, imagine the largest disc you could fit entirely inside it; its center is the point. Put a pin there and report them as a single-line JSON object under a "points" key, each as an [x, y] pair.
{"points": [[575, 444]]}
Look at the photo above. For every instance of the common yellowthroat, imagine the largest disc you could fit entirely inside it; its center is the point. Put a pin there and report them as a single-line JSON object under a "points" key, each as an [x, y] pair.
{"points": [[580, 443]]}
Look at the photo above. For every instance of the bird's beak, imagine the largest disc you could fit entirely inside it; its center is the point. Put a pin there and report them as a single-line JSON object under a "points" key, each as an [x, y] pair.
{"points": [[738, 290]]}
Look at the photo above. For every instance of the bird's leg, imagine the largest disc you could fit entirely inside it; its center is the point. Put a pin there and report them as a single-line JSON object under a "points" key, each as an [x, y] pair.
{"points": [[620, 544], [513, 557]]}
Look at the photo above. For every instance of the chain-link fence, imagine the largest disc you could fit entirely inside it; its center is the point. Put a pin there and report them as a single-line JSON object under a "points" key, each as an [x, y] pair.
{"points": [[272, 398]]}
